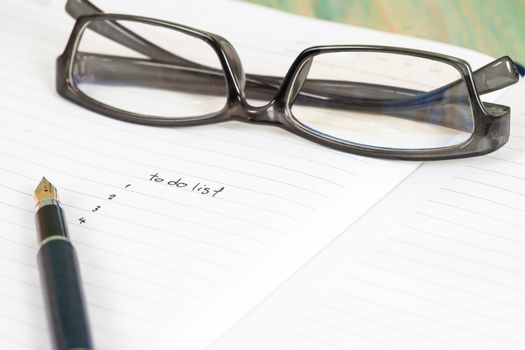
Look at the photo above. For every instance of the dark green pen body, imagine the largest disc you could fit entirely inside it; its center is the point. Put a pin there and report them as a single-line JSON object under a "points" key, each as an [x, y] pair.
{"points": [[60, 279]]}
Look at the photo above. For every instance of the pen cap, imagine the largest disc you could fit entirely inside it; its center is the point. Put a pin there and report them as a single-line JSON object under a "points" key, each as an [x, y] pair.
{"points": [[50, 221]]}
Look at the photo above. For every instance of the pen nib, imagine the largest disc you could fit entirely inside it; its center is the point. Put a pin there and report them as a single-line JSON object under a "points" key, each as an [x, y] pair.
{"points": [[45, 190]]}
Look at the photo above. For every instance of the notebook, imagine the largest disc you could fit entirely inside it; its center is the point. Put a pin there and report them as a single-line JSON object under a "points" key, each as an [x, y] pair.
{"points": [[290, 222], [437, 264]]}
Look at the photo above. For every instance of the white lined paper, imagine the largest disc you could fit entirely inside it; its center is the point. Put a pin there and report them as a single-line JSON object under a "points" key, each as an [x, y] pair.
{"points": [[159, 262], [438, 264]]}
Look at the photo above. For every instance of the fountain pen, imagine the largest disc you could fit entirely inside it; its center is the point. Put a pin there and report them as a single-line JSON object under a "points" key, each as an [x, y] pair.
{"points": [[59, 274]]}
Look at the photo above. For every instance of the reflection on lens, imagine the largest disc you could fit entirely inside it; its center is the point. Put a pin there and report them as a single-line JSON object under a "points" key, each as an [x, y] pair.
{"points": [[384, 100], [170, 74]]}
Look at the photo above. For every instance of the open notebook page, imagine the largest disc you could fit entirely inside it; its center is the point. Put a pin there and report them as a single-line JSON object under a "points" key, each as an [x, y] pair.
{"points": [[160, 261], [438, 264]]}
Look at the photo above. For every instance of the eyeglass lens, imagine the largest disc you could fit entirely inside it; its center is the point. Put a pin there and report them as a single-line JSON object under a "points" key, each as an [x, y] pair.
{"points": [[187, 81]]}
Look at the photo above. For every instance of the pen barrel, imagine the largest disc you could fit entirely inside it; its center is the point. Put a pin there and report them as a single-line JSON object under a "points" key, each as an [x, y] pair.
{"points": [[50, 221], [60, 279]]}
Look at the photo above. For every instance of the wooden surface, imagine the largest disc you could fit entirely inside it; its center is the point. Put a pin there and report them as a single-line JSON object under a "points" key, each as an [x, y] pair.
{"points": [[495, 27]]}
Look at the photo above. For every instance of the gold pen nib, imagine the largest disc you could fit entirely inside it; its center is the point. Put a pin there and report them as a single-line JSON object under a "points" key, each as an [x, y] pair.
{"points": [[45, 190]]}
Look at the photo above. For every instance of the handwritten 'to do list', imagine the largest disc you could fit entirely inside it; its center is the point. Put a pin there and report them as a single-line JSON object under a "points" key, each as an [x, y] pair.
{"points": [[183, 184]]}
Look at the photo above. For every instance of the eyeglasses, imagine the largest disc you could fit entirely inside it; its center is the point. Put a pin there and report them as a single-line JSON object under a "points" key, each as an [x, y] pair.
{"points": [[375, 101]]}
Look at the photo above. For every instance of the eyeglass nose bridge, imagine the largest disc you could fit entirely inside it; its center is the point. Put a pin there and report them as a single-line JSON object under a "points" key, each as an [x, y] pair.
{"points": [[274, 111], [238, 107]]}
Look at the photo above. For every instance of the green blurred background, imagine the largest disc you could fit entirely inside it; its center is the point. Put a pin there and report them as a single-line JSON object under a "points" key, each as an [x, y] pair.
{"points": [[495, 27]]}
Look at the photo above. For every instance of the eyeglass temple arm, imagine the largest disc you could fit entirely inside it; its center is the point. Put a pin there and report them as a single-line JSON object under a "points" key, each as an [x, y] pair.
{"points": [[394, 101], [144, 72], [492, 77], [120, 34]]}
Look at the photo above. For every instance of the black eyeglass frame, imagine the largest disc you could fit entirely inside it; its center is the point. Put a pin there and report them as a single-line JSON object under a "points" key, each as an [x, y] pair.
{"points": [[491, 121]]}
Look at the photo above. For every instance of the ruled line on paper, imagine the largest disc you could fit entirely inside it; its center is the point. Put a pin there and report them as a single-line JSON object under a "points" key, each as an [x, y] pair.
{"points": [[283, 140], [155, 213], [92, 285], [418, 315], [466, 194], [117, 293], [350, 314], [84, 133], [15, 41], [139, 178], [117, 254], [401, 310], [255, 223], [257, 213], [280, 152], [455, 256], [171, 233], [506, 160], [15, 207], [468, 244], [162, 285], [140, 242], [180, 158], [445, 256], [440, 284], [161, 139], [451, 270], [434, 301], [483, 214], [311, 339], [211, 228], [471, 228], [121, 293], [495, 171], [284, 153], [176, 234], [22, 301], [44, 331], [16, 340], [40, 308], [159, 247], [204, 178], [489, 185], [515, 148], [313, 146], [151, 166], [32, 266], [212, 263], [272, 53], [153, 264], [21, 13], [340, 329], [109, 309]]}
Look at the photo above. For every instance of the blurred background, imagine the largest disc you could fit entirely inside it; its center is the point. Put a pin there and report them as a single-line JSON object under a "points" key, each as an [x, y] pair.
{"points": [[494, 27]]}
